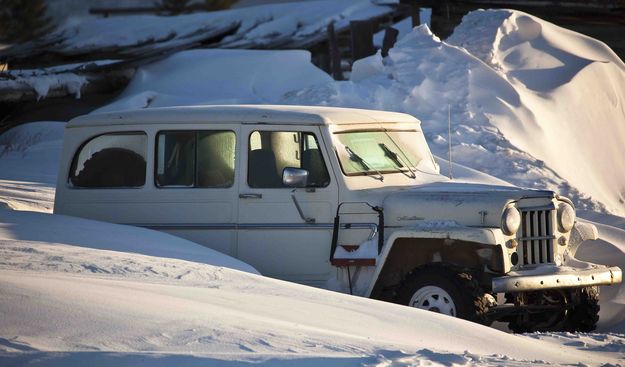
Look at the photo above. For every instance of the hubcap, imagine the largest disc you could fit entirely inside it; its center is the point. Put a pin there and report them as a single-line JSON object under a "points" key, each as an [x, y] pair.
{"points": [[435, 299]]}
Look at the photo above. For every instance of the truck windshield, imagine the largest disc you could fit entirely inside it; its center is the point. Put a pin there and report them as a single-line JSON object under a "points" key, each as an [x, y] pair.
{"points": [[383, 151]]}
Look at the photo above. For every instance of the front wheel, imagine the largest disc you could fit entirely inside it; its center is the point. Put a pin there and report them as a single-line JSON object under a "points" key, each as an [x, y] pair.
{"points": [[442, 289], [573, 310]]}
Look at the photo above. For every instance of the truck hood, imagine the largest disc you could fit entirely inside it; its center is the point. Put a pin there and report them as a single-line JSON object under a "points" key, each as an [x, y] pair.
{"points": [[466, 203]]}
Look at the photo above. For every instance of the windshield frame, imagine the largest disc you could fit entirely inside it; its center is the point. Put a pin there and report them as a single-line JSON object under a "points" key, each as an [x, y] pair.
{"points": [[409, 168]]}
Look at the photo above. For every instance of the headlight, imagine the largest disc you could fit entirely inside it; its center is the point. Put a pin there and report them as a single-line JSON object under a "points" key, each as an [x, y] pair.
{"points": [[510, 221], [566, 217]]}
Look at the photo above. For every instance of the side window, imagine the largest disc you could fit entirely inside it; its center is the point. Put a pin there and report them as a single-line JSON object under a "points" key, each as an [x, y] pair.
{"points": [[195, 159], [110, 161], [269, 152]]}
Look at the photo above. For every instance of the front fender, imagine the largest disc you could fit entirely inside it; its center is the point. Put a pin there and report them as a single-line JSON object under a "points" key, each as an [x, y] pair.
{"points": [[440, 230], [581, 232]]}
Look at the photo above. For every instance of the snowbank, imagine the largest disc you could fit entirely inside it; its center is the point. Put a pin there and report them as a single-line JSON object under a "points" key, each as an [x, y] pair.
{"points": [[253, 26], [574, 87], [29, 161], [80, 292], [77, 305], [47, 228], [219, 77]]}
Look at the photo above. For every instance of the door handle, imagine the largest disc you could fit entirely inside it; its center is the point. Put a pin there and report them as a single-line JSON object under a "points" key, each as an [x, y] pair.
{"points": [[250, 196]]}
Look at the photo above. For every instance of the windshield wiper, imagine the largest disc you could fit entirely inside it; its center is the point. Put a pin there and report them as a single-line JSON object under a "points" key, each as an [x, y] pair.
{"points": [[358, 159], [390, 154], [394, 157]]}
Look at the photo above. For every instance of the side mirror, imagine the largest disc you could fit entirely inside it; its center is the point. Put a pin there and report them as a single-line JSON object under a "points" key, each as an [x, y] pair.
{"points": [[294, 177]]}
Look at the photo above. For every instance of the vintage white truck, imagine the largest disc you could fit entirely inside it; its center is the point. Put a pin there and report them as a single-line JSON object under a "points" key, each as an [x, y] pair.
{"points": [[346, 199]]}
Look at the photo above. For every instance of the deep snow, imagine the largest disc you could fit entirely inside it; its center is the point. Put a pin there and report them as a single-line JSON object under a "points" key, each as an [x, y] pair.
{"points": [[74, 305], [78, 295]]}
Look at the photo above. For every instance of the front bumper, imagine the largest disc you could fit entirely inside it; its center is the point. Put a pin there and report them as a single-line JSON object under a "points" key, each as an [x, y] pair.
{"points": [[553, 278]]}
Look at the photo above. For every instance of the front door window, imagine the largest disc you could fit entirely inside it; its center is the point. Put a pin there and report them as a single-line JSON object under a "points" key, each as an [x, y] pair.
{"points": [[270, 152]]}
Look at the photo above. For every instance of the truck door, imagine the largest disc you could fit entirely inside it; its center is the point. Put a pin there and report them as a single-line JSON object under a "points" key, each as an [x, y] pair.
{"points": [[273, 235]]}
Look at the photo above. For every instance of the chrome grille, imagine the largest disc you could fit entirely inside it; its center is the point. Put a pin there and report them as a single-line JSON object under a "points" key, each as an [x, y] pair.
{"points": [[535, 237]]}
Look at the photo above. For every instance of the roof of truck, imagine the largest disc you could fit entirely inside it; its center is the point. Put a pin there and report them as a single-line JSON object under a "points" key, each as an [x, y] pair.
{"points": [[293, 115]]}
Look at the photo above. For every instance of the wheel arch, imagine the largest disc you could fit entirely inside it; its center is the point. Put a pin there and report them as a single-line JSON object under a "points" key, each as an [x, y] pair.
{"points": [[462, 246]]}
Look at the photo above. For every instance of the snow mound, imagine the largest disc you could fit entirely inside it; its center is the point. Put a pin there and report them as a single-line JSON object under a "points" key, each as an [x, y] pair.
{"points": [[509, 88], [608, 249], [575, 87], [91, 304], [17, 227], [219, 77], [29, 161], [251, 27]]}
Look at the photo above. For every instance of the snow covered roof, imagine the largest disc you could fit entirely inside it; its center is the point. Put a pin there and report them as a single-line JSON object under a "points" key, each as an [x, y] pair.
{"points": [[101, 54], [270, 26], [295, 115]]}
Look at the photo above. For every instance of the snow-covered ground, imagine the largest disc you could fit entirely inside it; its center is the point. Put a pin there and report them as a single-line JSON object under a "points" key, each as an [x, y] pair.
{"points": [[250, 26], [531, 104], [29, 161], [79, 292]]}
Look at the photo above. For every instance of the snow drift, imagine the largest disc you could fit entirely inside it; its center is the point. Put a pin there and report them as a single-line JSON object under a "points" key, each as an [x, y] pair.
{"points": [[29, 161], [78, 292], [23, 226], [92, 304], [219, 77], [573, 85]]}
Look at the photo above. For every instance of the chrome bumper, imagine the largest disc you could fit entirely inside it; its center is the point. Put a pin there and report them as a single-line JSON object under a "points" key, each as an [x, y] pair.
{"points": [[564, 279]]}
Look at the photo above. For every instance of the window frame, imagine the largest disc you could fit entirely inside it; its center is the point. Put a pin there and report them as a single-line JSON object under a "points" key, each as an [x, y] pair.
{"points": [[77, 151], [316, 135], [194, 187], [372, 172]]}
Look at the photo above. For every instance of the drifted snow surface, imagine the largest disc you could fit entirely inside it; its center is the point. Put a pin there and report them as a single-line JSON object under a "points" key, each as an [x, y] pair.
{"points": [[29, 161], [77, 292], [63, 304]]}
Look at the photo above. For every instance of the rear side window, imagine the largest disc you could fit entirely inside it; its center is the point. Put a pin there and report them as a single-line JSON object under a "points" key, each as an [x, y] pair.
{"points": [[110, 161], [201, 159]]}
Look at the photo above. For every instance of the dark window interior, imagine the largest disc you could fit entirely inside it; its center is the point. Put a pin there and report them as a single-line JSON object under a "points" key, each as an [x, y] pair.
{"points": [[269, 152], [110, 161], [195, 159]]}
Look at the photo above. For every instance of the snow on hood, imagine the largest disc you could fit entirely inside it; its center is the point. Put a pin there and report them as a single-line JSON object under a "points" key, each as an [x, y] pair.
{"points": [[463, 202]]}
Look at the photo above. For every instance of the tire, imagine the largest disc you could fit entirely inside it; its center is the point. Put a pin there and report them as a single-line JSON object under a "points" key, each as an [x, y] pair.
{"points": [[585, 313], [580, 312], [442, 288]]}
